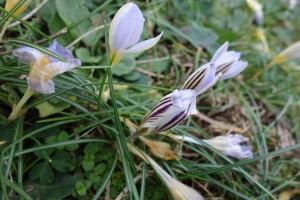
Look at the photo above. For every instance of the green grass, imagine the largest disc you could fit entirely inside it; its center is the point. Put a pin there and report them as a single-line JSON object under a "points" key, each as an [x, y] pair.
{"points": [[80, 150]]}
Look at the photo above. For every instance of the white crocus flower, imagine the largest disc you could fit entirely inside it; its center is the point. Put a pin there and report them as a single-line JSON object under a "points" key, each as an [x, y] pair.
{"points": [[178, 190], [228, 62], [43, 67], [125, 31], [202, 79], [233, 145], [170, 111]]}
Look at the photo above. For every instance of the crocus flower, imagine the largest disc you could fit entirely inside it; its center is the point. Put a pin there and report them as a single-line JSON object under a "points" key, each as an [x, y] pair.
{"points": [[202, 79], [170, 111], [10, 4], [178, 190], [228, 62], [44, 67], [125, 31], [233, 145]]}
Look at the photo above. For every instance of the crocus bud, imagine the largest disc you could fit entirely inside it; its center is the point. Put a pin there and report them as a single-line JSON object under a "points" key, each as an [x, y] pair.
{"points": [[202, 79], [170, 111], [44, 68], [233, 145], [178, 190], [228, 62], [10, 4], [125, 31]]}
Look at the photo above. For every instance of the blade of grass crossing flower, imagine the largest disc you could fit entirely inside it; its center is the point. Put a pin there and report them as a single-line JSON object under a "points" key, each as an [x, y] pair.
{"points": [[108, 177], [248, 176], [26, 23], [18, 5], [244, 162], [41, 49]]}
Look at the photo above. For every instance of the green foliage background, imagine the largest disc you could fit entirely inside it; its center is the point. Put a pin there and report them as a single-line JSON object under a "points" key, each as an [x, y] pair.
{"points": [[69, 146]]}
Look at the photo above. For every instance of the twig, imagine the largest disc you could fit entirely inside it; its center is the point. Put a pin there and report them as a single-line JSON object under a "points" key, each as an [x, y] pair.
{"points": [[84, 35], [107, 191], [37, 8], [219, 124]]}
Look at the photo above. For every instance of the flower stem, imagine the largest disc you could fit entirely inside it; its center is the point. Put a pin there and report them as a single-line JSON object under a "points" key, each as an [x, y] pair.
{"points": [[4, 28], [16, 109]]}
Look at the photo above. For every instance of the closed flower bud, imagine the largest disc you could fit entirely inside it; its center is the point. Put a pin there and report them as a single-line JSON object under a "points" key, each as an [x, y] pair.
{"points": [[44, 68], [290, 53], [170, 111], [125, 31]]}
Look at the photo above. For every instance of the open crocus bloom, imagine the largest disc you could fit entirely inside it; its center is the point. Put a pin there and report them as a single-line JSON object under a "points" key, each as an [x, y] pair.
{"points": [[228, 62], [43, 67], [233, 145], [178, 190], [170, 111], [125, 31], [202, 79], [10, 4]]}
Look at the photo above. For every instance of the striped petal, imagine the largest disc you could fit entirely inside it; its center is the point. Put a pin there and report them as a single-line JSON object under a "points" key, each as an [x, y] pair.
{"points": [[170, 111], [234, 70], [202, 79]]}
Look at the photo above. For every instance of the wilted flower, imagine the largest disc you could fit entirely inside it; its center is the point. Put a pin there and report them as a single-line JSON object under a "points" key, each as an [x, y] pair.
{"points": [[257, 8], [170, 111], [161, 149], [228, 62], [202, 79], [178, 190], [10, 4], [44, 67], [125, 31], [233, 145]]}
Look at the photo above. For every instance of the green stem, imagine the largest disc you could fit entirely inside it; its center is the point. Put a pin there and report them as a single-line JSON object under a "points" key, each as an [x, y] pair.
{"points": [[15, 112], [4, 28]]}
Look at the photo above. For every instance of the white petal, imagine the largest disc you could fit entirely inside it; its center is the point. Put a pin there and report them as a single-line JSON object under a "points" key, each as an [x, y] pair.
{"points": [[220, 51], [126, 27], [144, 45], [40, 85], [236, 68], [228, 57], [28, 54]]}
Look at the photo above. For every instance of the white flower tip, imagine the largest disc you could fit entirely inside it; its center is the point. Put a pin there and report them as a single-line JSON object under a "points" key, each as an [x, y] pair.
{"points": [[144, 45]]}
